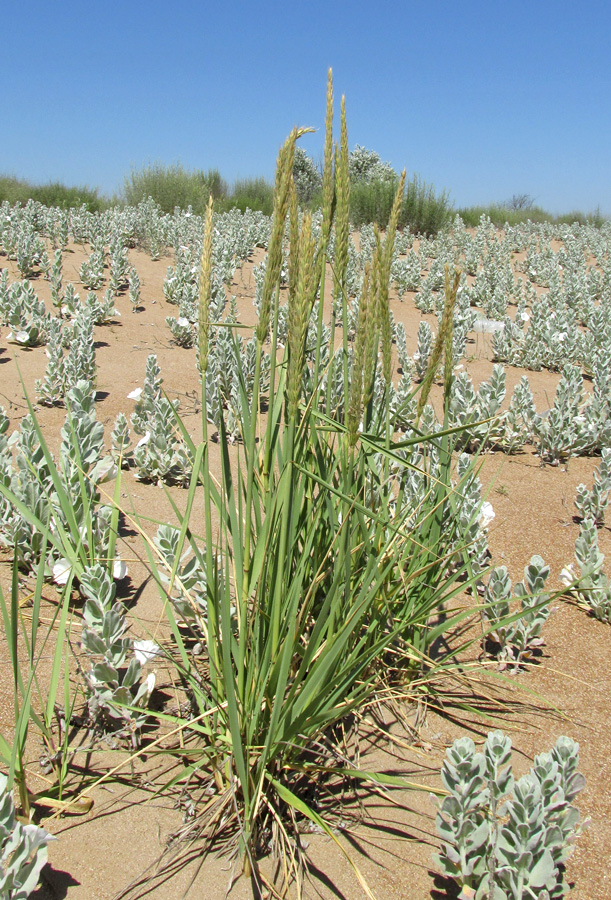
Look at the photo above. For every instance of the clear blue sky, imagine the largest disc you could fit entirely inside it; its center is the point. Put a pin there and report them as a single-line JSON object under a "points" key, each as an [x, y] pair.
{"points": [[485, 99]]}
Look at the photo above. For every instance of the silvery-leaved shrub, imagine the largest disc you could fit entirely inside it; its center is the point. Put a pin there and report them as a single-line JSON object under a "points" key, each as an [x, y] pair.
{"points": [[134, 289], [120, 442], [518, 639], [119, 266], [478, 413], [25, 315], [23, 850], [503, 838], [591, 504], [188, 587], [114, 680], [565, 431], [425, 347], [183, 331], [471, 515], [161, 454], [522, 422], [589, 585], [92, 269], [63, 496]]}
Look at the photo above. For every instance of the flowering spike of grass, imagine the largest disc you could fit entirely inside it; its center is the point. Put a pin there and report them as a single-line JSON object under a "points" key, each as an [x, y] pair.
{"points": [[293, 240], [444, 336], [300, 307], [327, 174], [355, 402], [284, 179], [451, 292], [205, 291]]}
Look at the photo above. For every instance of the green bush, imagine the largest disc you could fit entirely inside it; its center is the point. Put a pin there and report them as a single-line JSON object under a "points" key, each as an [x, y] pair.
{"points": [[500, 214], [371, 202], [252, 193], [54, 193], [423, 211], [173, 186]]}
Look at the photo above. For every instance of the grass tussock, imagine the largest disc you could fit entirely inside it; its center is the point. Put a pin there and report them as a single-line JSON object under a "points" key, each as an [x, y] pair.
{"points": [[423, 209], [173, 186], [52, 194], [317, 576], [501, 215]]}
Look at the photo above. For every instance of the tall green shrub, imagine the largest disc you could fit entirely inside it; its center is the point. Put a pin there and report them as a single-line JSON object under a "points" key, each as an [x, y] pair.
{"points": [[173, 186]]}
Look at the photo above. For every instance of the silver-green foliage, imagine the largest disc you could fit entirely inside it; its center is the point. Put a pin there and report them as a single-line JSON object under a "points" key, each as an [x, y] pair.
{"points": [[134, 289], [161, 454], [592, 504], [506, 839], [24, 313], [114, 679], [517, 639], [478, 412], [592, 587], [62, 498], [425, 347], [187, 585], [66, 371], [23, 850], [120, 441]]}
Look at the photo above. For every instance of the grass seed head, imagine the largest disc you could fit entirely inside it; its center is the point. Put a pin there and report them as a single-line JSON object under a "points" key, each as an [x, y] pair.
{"points": [[205, 290], [342, 212], [327, 175]]}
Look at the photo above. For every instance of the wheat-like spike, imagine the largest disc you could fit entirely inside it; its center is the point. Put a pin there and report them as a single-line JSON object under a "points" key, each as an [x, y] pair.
{"points": [[446, 328], [393, 221], [342, 212], [373, 330], [299, 312], [385, 255], [205, 290], [355, 402], [284, 177], [451, 291], [293, 240], [327, 174]]}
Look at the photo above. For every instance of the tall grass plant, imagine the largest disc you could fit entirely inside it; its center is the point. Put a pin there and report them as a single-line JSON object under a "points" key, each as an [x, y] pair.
{"points": [[313, 574]]}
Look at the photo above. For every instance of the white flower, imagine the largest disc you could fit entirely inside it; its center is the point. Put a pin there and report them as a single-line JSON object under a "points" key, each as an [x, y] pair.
{"points": [[486, 514], [184, 323], [145, 651], [119, 570], [568, 575], [104, 470], [144, 440], [61, 571], [524, 316], [135, 395]]}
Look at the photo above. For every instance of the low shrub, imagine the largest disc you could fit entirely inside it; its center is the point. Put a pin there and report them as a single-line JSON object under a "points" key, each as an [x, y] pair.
{"points": [[423, 211], [250, 193], [173, 186], [500, 215], [52, 194]]}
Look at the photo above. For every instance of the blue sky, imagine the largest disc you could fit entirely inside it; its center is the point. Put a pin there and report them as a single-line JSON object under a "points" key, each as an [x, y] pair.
{"points": [[484, 99]]}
